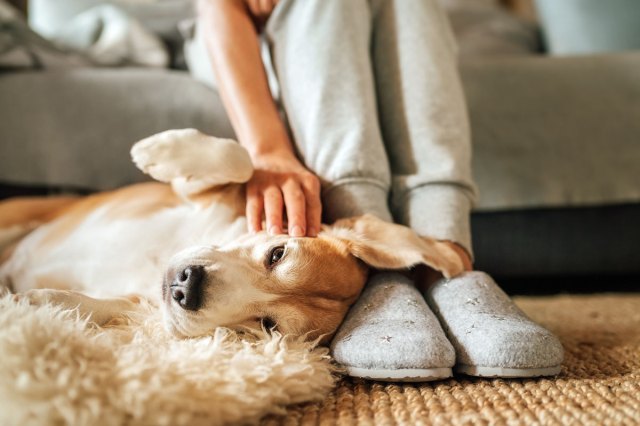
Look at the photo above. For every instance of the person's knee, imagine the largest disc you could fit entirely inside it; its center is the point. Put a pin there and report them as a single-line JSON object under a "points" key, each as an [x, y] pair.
{"points": [[314, 16]]}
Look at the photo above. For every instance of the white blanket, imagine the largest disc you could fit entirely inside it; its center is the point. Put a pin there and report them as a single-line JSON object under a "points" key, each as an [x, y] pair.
{"points": [[101, 36], [57, 369]]}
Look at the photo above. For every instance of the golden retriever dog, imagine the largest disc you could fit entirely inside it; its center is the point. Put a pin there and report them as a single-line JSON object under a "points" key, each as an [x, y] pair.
{"points": [[183, 245]]}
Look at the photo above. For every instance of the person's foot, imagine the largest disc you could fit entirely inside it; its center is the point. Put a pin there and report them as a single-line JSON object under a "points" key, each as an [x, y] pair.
{"points": [[491, 335], [391, 334]]}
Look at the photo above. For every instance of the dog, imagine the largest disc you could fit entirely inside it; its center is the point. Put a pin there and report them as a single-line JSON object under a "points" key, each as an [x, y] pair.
{"points": [[182, 244]]}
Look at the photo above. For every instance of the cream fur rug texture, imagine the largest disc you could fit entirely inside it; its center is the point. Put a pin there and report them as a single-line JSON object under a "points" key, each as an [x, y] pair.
{"points": [[58, 369]]}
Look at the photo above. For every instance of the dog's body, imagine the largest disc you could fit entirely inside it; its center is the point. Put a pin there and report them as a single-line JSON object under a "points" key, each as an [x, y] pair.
{"points": [[120, 242], [95, 252]]}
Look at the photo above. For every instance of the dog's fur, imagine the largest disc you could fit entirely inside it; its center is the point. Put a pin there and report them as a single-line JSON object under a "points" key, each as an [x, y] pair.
{"points": [[103, 252]]}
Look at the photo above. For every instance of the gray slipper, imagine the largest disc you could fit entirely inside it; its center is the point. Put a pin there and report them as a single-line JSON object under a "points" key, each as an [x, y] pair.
{"points": [[391, 334], [491, 335]]}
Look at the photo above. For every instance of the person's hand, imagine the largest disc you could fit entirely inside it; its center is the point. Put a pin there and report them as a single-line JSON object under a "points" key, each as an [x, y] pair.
{"points": [[260, 10], [280, 183]]}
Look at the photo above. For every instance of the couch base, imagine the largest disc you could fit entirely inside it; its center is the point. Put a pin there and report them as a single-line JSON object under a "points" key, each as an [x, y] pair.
{"points": [[559, 241]]}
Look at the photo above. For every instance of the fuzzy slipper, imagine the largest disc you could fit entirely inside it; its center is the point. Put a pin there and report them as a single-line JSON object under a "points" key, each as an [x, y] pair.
{"points": [[491, 335], [391, 334]]}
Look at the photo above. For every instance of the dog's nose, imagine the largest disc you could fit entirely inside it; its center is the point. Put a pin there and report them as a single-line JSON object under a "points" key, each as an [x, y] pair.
{"points": [[187, 289]]}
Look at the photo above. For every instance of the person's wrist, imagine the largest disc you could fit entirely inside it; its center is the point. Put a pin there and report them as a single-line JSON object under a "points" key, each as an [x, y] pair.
{"points": [[268, 144], [271, 153], [268, 153]]}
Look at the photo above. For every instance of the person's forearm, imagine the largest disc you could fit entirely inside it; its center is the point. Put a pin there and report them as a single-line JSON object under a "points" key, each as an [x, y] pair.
{"points": [[280, 183], [234, 49]]}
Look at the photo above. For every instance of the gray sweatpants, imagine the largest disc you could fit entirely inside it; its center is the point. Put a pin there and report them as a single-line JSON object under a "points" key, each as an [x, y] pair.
{"points": [[373, 99]]}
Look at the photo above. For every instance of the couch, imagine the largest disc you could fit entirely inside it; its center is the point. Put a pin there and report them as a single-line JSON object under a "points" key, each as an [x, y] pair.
{"points": [[556, 147]]}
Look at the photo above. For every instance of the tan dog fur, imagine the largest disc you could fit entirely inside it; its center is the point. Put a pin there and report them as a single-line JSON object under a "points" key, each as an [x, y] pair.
{"points": [[103, 252]]}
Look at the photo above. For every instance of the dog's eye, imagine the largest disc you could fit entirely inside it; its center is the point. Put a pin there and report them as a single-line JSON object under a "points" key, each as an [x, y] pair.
{"points": [[275, 254], [268, 323]]}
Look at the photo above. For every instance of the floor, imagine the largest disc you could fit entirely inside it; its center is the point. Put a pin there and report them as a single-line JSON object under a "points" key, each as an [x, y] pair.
{"points": [[599, 383]]}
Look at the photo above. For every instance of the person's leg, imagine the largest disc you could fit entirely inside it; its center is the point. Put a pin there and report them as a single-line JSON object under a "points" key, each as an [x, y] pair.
{"points": [[320, 51], [320, 54], [423, 118], [426, 130]]}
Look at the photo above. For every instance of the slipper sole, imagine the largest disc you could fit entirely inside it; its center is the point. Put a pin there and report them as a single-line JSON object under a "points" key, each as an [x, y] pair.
{"points": [[510, 373], [401, 374]]}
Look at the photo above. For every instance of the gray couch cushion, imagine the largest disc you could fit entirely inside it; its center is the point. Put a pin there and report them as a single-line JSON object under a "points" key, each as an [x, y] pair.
{"points": [[75, 128], [485, 28], [547, 132], [555, 132]]}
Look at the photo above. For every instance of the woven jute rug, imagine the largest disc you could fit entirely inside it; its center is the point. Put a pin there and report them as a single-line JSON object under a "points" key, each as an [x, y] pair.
{"points": [[599, 383]]}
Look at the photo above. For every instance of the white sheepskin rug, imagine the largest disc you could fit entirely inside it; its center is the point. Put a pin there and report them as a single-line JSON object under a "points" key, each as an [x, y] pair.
{"points": [[58, 369]]}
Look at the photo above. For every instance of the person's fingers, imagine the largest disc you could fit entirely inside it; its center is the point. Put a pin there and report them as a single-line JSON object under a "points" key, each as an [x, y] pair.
{"points": [[265, 8], [314, 216], [273, 209], [254, 210], [294, 201], [311, 188], [253, 6]]}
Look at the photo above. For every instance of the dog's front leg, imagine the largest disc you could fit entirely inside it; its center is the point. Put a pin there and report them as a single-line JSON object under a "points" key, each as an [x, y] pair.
{"points": [[99, 311]]}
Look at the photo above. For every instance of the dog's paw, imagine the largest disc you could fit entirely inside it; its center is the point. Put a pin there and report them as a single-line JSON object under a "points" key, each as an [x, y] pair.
{"points": [[98, 311], [157, 155], [190, 155]]}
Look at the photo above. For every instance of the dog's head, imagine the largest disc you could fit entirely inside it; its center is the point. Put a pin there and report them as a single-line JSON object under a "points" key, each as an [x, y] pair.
{"points": [[299, 286]]}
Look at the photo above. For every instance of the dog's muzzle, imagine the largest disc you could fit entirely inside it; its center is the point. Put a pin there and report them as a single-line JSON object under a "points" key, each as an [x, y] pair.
{"points": [[187, 287]]}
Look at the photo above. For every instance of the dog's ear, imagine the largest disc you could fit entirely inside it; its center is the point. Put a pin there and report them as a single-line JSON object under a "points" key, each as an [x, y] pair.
{"points": [[384, 245]]}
